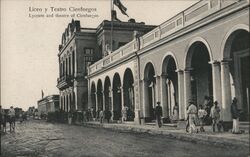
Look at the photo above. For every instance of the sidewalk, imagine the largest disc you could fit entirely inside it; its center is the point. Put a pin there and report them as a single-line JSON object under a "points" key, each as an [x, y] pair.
{"points": [[224, 138]]}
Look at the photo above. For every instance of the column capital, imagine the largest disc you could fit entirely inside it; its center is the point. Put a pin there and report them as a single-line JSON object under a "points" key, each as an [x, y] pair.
{"points": [[214, 62], [189, 69], [179, 71], [164, 74], [226, 61], [157, 76], [144, 79]]}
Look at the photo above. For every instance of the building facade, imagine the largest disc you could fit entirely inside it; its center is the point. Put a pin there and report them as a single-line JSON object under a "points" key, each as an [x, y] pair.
{"points": [[81, 47], [202, 51], [48, 104]]}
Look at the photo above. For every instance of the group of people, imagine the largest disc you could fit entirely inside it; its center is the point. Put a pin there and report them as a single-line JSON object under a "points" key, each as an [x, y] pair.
{"points": [[106, 114], [203, 114], [7, 117], [101, 115]]}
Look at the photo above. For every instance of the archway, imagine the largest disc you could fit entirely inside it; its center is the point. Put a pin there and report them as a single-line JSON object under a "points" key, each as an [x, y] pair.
{"points": [[93, 96], [200, 72], [238, 52], [107, 94], [99, 95], [170, 89], [117, 105], [149, 92], [128, 92]]}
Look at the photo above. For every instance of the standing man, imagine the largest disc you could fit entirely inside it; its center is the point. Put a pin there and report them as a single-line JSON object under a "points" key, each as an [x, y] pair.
{"points": [[12, 118], [192, 112], [201, 115], [235, 115], [158, 114], [124, 113], [101, 115], [215, 115]]}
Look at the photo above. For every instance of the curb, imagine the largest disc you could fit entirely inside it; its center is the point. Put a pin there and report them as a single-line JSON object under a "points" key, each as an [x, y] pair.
{"points": [[194, 138]]}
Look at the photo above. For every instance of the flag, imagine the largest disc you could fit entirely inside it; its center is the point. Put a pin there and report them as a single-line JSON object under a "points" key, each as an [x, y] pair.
{"points": [[42, 94], [122, 8], [114, 16]]}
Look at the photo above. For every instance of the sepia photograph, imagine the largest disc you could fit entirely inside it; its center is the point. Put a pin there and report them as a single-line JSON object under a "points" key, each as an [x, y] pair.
{"points": [[125, 78]]}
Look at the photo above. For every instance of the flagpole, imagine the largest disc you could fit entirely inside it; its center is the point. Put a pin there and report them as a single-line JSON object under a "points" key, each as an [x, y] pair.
{"points": [[111, 36]]}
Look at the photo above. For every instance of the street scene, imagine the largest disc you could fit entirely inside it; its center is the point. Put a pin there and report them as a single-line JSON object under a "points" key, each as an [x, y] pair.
{"points": [[125, 78], [41, 139]]}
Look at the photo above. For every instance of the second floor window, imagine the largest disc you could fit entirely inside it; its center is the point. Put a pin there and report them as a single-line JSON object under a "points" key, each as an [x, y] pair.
{"points": [[89, 51]]}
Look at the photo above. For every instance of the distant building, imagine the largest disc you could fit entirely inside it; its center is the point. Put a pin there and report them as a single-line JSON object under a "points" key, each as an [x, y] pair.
{"points": [[48, 104], [81, 47]]}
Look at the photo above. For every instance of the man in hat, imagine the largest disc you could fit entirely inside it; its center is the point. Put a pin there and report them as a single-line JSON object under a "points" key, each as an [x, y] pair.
{"points": [[158, 114], [215, 115], [235, 115], [192, 112]]}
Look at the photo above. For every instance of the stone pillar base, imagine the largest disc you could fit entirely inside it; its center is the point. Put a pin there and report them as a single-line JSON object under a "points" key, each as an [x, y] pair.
{"points": [[137, 117], [166, 120]]}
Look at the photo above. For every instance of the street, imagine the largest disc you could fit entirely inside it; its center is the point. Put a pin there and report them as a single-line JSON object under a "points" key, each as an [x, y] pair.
{"points": [[38, 138]]}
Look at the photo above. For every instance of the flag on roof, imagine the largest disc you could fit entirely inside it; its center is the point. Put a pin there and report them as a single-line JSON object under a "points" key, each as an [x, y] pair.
{"points": [[122, 8]]}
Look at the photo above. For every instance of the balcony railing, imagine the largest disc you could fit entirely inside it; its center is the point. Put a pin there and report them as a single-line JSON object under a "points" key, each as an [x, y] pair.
{"points": [[65, 81], [196, 12]]}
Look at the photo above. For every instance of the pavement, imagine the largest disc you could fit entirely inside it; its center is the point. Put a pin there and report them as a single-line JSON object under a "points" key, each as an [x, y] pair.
{"points": [[37, 138], [208, 137]]}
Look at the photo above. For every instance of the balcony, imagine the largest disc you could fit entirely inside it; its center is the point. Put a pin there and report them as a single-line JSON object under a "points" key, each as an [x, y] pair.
{"points": [[65, 82]]}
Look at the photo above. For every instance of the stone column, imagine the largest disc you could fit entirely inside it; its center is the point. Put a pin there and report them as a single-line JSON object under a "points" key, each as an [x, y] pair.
{"points": [[187, 89], [216, 82], [63, 99], [68, 66], [145, 99], [226, 91], [65, 67], [103, 100], [96, 101], [164, 97], [59, 61], [90, 103], [157, 88], [111, 102], [181, 102], [69, 103], [169, 102], [122, 97], [71, 64]]}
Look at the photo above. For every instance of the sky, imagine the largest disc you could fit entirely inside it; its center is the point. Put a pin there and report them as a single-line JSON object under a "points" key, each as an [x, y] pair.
{"points": [[29, 46]]}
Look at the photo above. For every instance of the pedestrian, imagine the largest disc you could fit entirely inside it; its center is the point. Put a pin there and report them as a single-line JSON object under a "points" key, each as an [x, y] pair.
{"points": [[12, 120], [158, 114], [192, 112], [108, 115], [124, 113], [207, 106], [201, 115], [175, 112], [215, 115], [92, 113], [235, 115], [101, 116]]}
